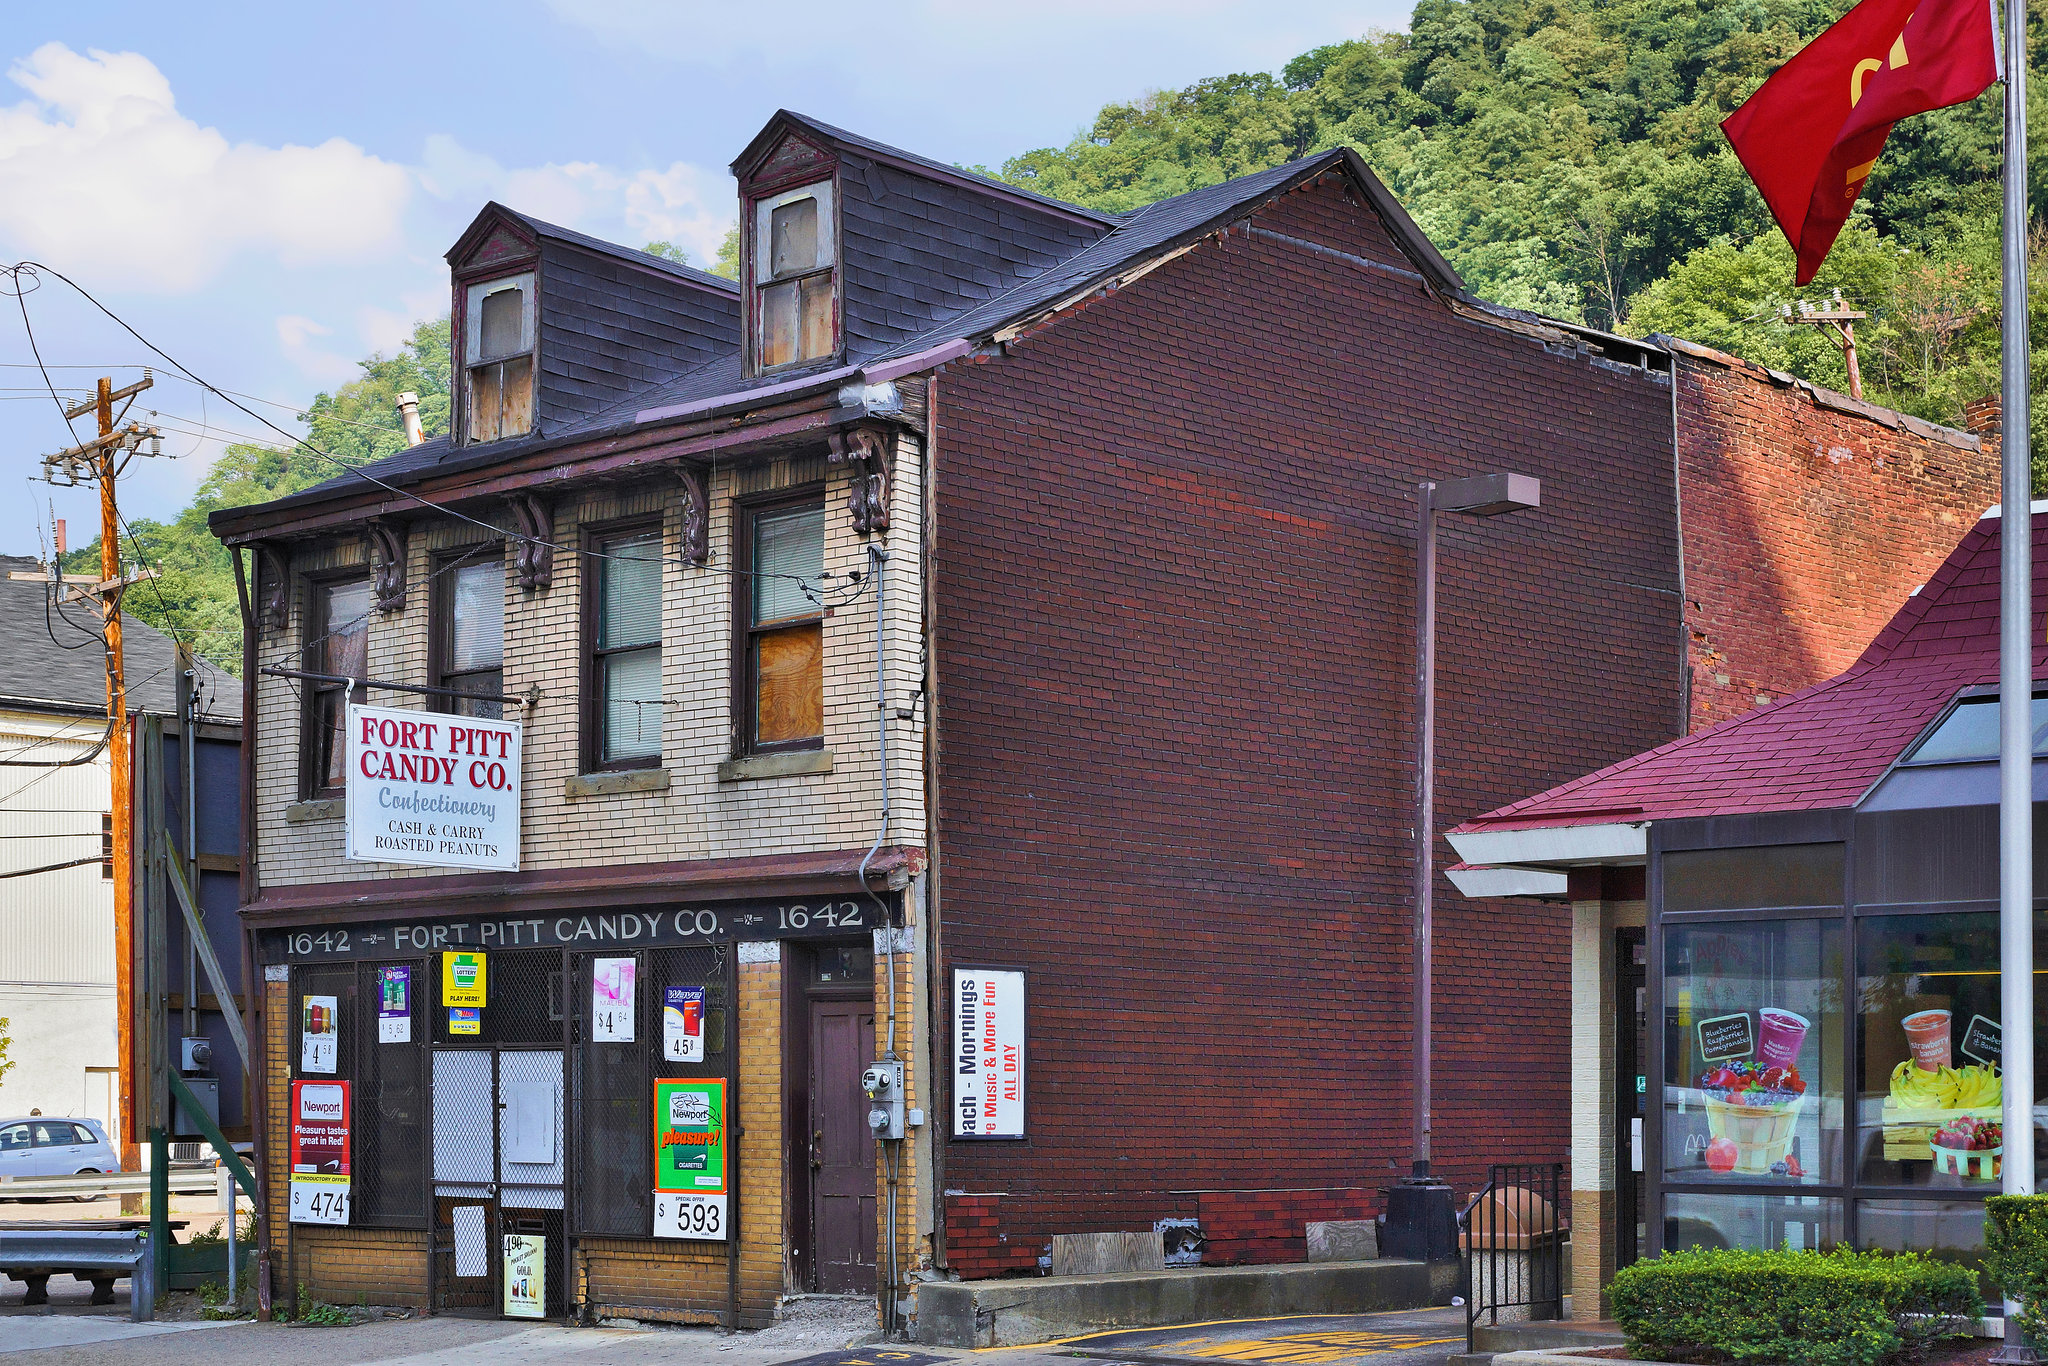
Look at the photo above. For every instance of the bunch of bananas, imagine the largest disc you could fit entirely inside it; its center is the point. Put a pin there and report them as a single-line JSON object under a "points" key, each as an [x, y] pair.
{"points": [[1974, 1087]]}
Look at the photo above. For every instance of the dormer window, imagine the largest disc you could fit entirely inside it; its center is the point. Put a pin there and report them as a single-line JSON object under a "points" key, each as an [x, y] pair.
{"points": [[795, 305], [497, 330]]}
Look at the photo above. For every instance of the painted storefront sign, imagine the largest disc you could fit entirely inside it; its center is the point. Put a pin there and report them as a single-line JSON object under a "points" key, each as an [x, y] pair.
{"points": [[320, 1152], [689, 1158], [432, 789], [988, 1053]]}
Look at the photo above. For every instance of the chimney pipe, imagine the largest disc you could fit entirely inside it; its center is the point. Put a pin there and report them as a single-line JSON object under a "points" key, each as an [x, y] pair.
{"points": [[62, 547], [409, 409]]}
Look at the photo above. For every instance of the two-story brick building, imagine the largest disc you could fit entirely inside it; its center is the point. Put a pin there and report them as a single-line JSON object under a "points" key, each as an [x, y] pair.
{"points": [[983, 585]]}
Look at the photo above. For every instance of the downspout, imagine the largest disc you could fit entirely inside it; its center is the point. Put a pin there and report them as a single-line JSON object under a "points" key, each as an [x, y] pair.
{"points": [[878, 560], [1678, 525], [936, 1148], [254, 1096]]}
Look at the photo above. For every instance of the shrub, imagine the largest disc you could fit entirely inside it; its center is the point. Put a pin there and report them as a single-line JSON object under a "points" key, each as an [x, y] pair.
{"points": [[2016, 1255], [1840, 1308]]}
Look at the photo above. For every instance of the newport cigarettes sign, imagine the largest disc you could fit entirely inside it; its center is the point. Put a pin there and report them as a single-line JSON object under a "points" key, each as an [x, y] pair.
{"points": [[432, 788]]}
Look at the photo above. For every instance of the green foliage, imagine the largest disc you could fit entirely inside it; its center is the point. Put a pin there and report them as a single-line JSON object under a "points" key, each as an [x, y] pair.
{"points": [[728, 262], [1839, 1308], [667, 251], [194, 598], [2016, 1255], [6, 1041], [318, 1314]]}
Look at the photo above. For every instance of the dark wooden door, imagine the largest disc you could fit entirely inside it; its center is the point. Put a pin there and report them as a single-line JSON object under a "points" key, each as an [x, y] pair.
{"points": [[843, 1229]]}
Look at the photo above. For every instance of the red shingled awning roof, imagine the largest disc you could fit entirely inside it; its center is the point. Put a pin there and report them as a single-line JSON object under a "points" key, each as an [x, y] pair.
{"points": [[1825, 746]]}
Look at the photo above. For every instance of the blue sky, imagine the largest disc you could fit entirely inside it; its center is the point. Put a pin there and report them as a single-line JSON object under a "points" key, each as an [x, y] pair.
{"points": [[266, 191]]}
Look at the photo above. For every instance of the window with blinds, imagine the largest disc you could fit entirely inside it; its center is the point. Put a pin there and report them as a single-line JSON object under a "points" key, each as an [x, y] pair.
{"points": [[470, 633], [785, 626], [337, 645], [626, 651]]}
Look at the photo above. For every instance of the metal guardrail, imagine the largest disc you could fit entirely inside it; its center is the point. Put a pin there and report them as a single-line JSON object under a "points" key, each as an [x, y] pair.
{"points": [[1511, 1238], [100, 1255], [186, 1181]]}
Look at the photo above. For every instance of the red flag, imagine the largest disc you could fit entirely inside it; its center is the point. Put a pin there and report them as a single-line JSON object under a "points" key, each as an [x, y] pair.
{"points": [[1811, 134]]}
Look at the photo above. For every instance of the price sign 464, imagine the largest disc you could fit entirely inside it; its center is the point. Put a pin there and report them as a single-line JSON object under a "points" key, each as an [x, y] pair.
{"points": [[689, 1216]]}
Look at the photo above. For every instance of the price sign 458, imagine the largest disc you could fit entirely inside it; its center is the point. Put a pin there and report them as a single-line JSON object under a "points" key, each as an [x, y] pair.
{"points": [[689, 1216]]}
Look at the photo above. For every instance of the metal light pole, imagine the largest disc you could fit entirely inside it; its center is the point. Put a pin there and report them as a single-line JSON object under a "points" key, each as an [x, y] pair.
{"points": [[2016, 667], [1420, 1220]]}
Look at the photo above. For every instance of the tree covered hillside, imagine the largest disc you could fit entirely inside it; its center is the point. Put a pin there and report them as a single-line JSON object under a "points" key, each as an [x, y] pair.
{"points": [[1566, 155]]}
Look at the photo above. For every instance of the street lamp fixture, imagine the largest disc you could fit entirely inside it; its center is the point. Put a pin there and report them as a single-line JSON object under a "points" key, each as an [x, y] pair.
{"points": [[1421, 1218]]}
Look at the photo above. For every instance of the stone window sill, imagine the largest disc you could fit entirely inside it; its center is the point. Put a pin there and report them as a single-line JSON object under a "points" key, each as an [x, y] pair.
{"points": [[625, 780], [775, 765], [320, 809]]}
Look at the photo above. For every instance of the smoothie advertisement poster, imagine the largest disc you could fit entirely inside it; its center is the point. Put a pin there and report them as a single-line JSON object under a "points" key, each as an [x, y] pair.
{"points": [[689, 1135], [1750, 1081]]}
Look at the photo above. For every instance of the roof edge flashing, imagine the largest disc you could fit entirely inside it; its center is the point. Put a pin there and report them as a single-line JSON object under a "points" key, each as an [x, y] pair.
{"points": [[1556, 846], [1495, 884]]}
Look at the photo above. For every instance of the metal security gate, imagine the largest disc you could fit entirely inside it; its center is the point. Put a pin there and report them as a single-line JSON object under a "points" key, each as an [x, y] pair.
{"points": [[498, 1170]]}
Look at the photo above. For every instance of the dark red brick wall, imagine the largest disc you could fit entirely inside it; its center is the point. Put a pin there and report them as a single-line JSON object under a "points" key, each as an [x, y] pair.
{"points": [[1175, 644], [1807, 525]]}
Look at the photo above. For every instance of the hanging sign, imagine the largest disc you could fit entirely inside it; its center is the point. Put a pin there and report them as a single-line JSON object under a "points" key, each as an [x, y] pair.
{"points": [[526, 1279], [319, 1034], [988, 1053], [465, 1020], [394, 1004], [689, 1158], [682, 1024], [463, 980], [1726, 1036], [432, 788], [1984, 1042], [319, 1152], [611, 999]]}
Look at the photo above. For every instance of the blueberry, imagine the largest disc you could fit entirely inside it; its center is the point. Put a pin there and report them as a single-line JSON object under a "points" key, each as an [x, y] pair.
{"points": [[1780, 1169]]}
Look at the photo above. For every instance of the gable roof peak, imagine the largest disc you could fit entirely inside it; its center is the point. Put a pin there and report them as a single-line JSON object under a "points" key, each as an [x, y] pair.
{"points": [[526, 225]]}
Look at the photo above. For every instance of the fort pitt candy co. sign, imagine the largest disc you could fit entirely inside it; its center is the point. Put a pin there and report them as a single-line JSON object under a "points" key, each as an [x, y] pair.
{"points": [[432, 788]]}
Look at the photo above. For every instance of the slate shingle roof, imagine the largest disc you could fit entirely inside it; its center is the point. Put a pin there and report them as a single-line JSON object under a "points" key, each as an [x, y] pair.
{"points": [[1821, 748], [34, 668]]}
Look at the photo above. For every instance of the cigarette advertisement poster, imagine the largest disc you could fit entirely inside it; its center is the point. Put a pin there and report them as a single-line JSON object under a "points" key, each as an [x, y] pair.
{"points": [[319, 1034], [394, 1005], [320, 1152], [682, 1024], [526, 1276], [689, 1158], [463, 979], [611, 999], [432, 789], [988, 1053]]}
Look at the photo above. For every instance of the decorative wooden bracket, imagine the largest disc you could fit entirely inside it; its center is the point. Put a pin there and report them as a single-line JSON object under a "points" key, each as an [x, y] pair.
{"points": [[696, 514], [869, 450], [533, 558], [387, 559], [273, 590]]}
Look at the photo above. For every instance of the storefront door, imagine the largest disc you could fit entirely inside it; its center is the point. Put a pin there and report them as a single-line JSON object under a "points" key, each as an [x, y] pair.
{"points": [[497, 1169], [842, 1147], [1631, 1058]]}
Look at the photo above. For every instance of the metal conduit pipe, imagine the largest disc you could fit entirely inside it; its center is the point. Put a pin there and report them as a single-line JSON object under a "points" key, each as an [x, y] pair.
{"points": [[877, 559]]}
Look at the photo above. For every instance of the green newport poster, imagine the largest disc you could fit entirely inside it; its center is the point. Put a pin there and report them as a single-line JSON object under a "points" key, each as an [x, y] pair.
{"points": [[689, 1158]]}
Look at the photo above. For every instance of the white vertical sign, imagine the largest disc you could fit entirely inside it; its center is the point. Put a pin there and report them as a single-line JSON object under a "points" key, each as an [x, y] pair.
{"points": [[433, 788], [612, 990], [988, 1053]]}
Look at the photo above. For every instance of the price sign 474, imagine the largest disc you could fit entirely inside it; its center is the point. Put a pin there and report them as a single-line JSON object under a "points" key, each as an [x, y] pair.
{"points": [[689, 1216], [319, 1202]]}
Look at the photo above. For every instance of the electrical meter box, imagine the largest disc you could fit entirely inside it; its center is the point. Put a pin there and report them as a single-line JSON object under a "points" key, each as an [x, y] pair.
{"points": [[884, 1084]]}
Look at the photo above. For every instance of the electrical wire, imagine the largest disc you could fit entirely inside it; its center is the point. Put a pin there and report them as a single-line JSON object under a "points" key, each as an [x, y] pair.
{"points": [[55, 867]]}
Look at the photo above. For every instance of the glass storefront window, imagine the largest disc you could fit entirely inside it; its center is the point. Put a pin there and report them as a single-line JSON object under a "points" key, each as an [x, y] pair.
{"points": [[1952, 1231], [1752, 1222], [1752, 1042]]}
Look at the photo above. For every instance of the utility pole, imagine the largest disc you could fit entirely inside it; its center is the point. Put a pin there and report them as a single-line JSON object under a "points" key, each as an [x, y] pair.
{"points": [[1836, 315], [100, 460]]}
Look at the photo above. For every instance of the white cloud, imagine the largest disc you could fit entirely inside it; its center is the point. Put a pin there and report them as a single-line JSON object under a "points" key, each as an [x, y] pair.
{"points": [[295, 336], [680, 203], [100, 173]]}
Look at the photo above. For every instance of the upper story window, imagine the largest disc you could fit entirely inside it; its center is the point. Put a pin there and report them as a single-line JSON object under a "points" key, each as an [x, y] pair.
{"points": [[782, 646], [497, 357], [795, 306], [469, 633], [337, 644], [623, 628]]}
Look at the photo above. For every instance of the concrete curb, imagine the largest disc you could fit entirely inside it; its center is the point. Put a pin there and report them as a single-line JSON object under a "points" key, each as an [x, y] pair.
{"points": [[1547, 1356]]}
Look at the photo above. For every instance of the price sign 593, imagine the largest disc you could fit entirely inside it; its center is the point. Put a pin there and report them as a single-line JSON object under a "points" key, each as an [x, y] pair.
{"points": [[689, 1216]]}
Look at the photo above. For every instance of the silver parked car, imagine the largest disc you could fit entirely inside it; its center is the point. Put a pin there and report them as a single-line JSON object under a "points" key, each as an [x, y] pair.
{"points": [[44, 1146]]}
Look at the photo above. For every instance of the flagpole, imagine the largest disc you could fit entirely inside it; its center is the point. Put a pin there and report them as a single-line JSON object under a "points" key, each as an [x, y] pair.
{"points": [[2015, 666]]}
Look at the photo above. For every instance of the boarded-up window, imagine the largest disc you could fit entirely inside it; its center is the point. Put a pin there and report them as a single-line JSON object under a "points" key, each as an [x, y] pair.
{"points": [[785, 630], [498, 358], [794, 277]]}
